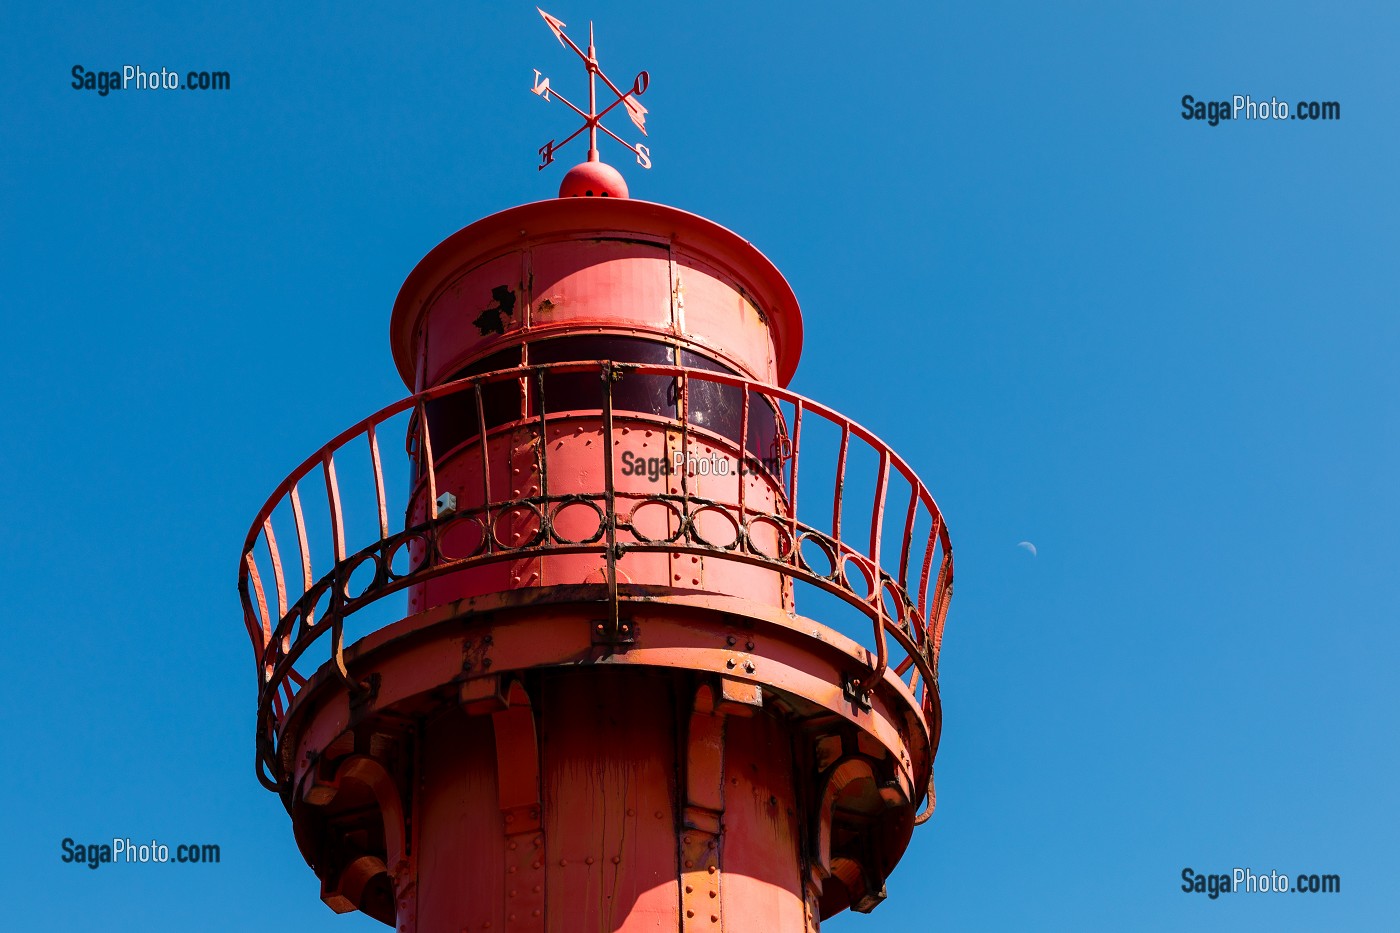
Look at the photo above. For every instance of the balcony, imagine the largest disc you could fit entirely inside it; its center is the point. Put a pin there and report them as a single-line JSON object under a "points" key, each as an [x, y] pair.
{"points": [[527, 479]]}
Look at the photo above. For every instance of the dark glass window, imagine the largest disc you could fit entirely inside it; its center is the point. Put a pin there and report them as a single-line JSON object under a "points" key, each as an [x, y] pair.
{"points": [[452, 418], [584, 391], [715, 407], [720, 408]]}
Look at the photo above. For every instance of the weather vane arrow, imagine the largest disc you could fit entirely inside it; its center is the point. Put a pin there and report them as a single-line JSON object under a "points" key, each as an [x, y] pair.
{"points": [[592, 119]]}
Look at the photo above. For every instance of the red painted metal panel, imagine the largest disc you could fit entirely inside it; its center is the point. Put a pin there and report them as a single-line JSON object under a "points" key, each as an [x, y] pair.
{"points": [[576, 220], [601, 281], [609, 765], [451, 324], [716, 312], [763, 874], [461, 832]]}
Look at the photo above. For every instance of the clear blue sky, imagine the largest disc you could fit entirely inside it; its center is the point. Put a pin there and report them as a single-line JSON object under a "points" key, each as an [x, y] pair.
{"points": [[1164, 352]]}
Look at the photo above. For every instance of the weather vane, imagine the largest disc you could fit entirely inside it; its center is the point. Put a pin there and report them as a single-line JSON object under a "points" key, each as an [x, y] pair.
{"points": [[593, 118]]}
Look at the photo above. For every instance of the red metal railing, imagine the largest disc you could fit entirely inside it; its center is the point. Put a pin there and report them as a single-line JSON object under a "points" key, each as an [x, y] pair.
{"points": [[907, 605]]}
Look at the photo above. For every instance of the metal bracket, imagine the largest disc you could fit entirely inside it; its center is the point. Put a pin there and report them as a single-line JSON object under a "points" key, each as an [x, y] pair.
{"points": [[855, 694], [518, 796], [703, 816], [476, 655], [363, 699], [622, 638]]}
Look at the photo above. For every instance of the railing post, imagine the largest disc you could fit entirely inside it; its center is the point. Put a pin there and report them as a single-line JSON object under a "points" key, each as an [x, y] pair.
{"points": [[614, 630], [877, 524]]}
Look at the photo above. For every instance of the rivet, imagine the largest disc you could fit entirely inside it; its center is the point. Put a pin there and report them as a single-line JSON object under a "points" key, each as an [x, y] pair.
{"points": [[511, 869], [537, 889], [535, 912], [713, 869], [512, 892], [749, 645], [536, 863], [689, 863], [714, 894], [658, 814], [748, 666], [729, 663], [730, 640], [690, 913], [588, 861], [563, 862], [512, 845], [617, 860], [688, 889], [631, 812]]}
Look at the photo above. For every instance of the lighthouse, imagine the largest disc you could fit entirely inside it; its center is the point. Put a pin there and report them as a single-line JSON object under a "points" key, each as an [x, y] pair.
{"points": [[590, 696]]}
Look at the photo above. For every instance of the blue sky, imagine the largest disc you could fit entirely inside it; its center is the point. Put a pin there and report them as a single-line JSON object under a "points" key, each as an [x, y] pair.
{"points": [[1164, 352]]}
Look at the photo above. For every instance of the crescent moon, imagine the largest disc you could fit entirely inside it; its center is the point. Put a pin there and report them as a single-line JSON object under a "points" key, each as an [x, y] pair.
{"points": [[1028, 546]]}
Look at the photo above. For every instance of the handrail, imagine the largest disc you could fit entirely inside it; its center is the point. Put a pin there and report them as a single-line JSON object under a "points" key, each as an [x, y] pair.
{"points": [[915, 623]]}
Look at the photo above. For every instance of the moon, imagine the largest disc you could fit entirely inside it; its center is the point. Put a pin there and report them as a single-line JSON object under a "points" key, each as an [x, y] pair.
{"points": [[1028, 546]]}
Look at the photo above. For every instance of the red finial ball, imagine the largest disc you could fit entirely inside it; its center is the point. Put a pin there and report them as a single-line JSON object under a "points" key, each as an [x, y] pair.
{"points": [[593, 180]]}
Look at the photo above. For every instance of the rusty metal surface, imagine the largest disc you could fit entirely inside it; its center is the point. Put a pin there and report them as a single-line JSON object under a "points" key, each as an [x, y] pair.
{"points": [[557, 256], [611, 798], [763, 657], [283, 632]]}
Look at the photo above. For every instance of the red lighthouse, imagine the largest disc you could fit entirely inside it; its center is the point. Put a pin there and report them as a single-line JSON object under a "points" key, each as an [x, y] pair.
{"points": [[601, 707]]}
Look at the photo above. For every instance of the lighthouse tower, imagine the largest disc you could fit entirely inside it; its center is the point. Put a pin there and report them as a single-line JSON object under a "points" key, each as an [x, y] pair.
{"points": [[595, 703]]}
